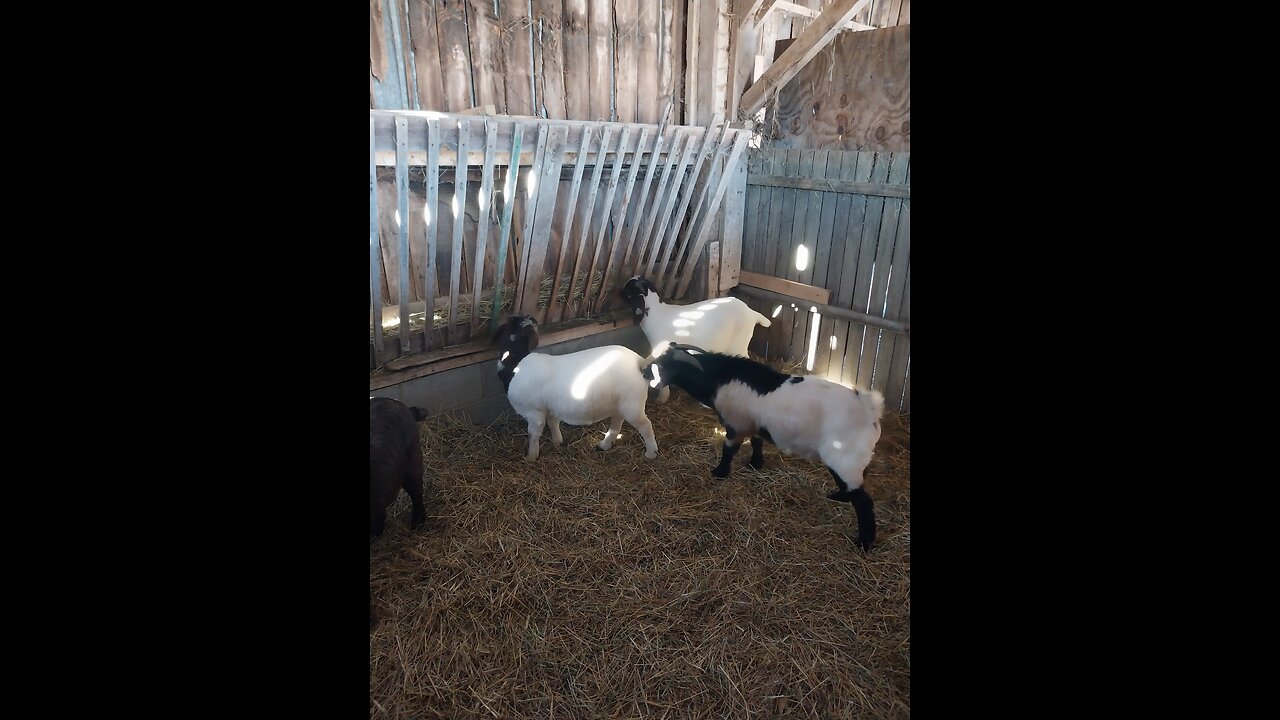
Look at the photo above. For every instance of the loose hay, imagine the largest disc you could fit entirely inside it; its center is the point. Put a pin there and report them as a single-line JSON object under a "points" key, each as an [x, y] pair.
{"points": [[599, 585]]}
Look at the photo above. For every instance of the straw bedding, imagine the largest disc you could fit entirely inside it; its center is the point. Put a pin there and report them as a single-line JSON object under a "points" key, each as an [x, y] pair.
{"points": [[596, 584]]}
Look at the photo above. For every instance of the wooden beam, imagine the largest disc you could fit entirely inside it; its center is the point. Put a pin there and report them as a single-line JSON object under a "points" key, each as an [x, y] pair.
{"points": [[828, 185], [794, 9], [809, 44], [786, 287], [838, 312]]}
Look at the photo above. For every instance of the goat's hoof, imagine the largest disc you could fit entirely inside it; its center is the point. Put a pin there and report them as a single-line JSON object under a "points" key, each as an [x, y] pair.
{"points": [[530, 458], [603, 447], [865, 545], [721, 473], [651, 456], [756, 465]]}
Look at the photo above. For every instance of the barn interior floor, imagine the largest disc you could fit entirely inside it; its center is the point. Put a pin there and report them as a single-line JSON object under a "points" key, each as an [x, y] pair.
{"points": [[596, 584]]}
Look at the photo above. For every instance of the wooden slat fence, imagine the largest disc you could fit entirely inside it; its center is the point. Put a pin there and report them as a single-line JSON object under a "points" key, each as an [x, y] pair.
{"points": [[491, 215], [839, 220]]}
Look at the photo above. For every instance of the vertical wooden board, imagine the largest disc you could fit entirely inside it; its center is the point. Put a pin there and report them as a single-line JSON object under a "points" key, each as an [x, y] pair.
{"points": [[812, 220], [504, 226], [375, 256], [769, 251], [549, 73], [577, 60], [547, 190], [692, 78], [588, 212], [752, 204], [433, 203], [896, 281], [485, 36], [757, 225], [713, 270], [390, 231], [455, 67], [377, 50], [617, 263], [884, 13], [900, 350], [825, 253], [648, 63], [482, 221], [863, 16], [873, 341], [875, 233], [402, 206], [731, 244], [527, 287], [799, 218], [860, 253], [426, 52], [459, 224], [671, 53], [517, 56], [610, 190], [904, 15], [906, 390], [565, 221], [626, 17], [600, 26], [791, 168]]}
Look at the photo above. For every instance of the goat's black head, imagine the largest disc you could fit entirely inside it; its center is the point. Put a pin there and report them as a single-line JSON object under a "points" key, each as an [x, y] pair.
{"points": [[634, 292], [677, 365], [516, 338]]}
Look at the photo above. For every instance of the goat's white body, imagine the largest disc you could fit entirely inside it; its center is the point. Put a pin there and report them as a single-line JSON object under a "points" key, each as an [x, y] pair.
{"points": [[814, 419], [582, 388], [723, 325]]}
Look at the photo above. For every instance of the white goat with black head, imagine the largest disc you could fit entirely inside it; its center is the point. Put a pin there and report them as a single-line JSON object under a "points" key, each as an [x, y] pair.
{"points": [[722, 325], [579, 388], [803, 415]]}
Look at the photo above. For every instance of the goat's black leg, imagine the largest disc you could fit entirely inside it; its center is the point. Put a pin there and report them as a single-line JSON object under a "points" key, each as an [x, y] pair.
{"points": [[757, 452], [862, 506], [731, 445]]}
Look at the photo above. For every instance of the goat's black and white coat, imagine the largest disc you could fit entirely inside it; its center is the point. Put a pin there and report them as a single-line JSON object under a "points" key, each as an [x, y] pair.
{"points": [[395, 460], [579, 388], [805, 416]]}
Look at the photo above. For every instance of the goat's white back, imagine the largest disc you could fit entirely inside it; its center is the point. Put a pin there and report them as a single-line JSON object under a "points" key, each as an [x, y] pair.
{"points": [[580, 388]]}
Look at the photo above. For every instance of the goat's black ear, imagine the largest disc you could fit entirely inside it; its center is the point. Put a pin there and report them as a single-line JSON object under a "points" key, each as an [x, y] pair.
{"points": [[682, 355], [651, 286]]}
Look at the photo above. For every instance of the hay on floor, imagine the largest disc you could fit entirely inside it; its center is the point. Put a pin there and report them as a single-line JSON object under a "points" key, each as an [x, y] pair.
{"points": [[600, 585]]}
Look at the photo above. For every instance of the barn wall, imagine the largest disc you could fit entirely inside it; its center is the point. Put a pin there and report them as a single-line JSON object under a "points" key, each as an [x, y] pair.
{"points": [[854, 95], [857, 238]]}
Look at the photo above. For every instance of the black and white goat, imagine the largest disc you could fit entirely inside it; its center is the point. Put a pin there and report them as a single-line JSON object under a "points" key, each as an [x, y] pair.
{"points": [[579, 388], [805, 416], [395, 460], [722, 325]]}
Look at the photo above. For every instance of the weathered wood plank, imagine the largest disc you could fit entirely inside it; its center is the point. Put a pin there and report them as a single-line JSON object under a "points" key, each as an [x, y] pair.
{"points": [[548, 187], [708, 219], [734, 220], [577, 60], [459, 223], [433, 200], [713, 269], [828, 253], [883, 272], [865, 296], [426, 51], [831, 186], [671, 238], [485, 37], [610, 190], [482, 227], [375, 257], [693, 48], [896, 284], [616, 266], [517, 54], [648, 64], [855, 282], [567, 228], [839, 313], [594, 189], [790, 288], [899, 347], [626, 18], [904, 18], [800, 222], [814, 38], [671, 19], [402, 204], [550, 76], [600, 26], [455, 67], [504, 229]]}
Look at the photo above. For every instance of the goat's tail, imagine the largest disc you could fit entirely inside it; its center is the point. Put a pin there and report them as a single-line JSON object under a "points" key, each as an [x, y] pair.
{"points": [[762, 320], [873, 401]]}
